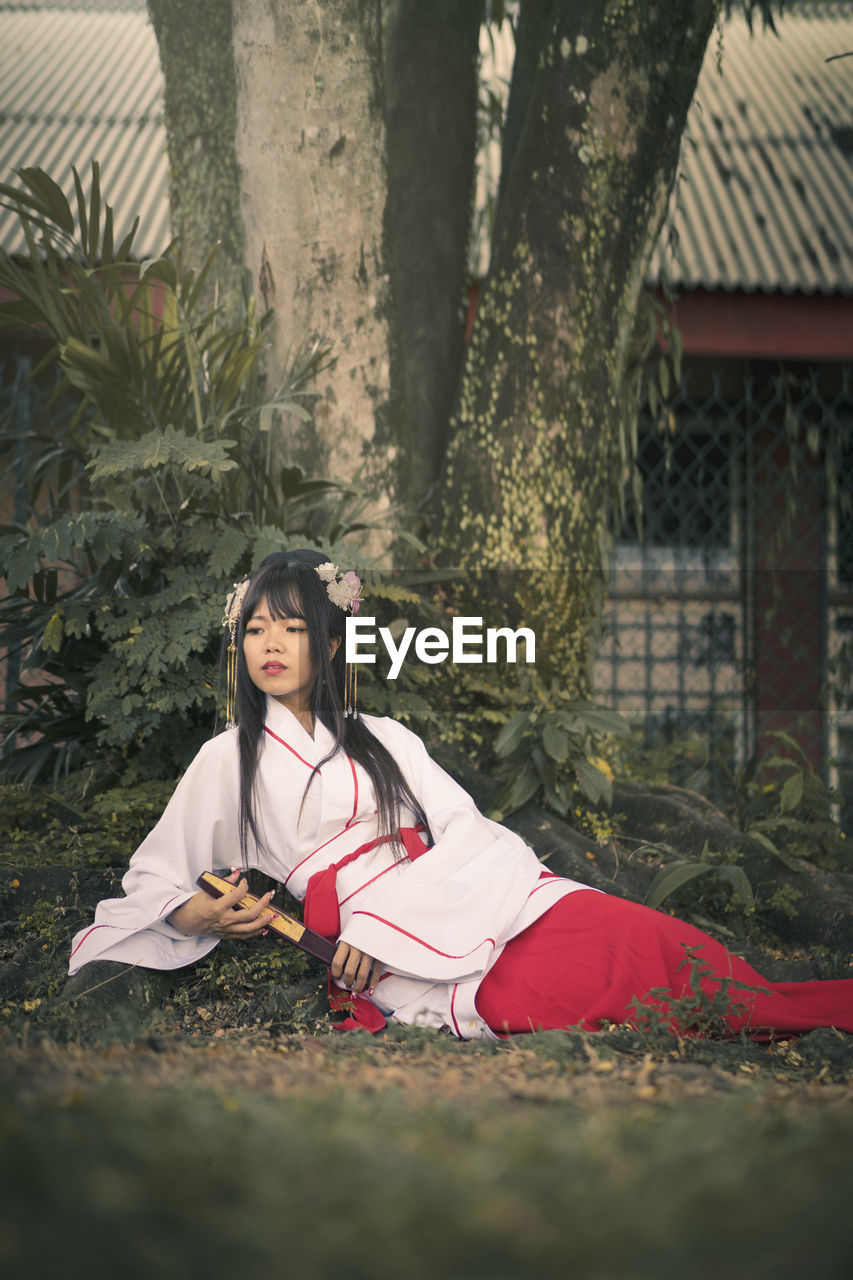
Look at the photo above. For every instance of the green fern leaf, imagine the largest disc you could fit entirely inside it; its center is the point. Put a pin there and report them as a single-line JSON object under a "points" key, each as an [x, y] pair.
{"points": [[159, 449]]}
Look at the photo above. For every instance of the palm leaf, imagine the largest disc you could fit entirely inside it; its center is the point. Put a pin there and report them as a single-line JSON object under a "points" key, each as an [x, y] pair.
{"points": [[50, 200]]}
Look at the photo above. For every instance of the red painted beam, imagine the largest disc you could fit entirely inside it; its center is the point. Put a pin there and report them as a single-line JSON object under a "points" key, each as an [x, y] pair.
{"points": [[760, 326], [766, 325]]}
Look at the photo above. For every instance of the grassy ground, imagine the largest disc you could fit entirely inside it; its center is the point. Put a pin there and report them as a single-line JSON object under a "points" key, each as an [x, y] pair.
{"points": [[182, 1154], [223, 1128]]}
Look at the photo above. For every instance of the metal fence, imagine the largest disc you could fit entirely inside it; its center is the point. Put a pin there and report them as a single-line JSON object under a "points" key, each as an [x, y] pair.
{"points": [[730, 596]]}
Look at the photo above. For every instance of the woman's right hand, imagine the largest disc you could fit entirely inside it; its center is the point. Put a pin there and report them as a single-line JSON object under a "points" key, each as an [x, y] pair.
{"points": [[202, 916]]}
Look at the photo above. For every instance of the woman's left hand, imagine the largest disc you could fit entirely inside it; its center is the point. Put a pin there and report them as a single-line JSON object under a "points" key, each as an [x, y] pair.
{"points": [[359, 971]]}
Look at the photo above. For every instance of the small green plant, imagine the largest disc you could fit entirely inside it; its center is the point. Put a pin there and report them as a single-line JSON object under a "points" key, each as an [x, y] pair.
{"points": [[670, 879], [654, 757], [38, 951], [707, 1008], [261, 982], [784, 899], [780, 801], [550, 751]]}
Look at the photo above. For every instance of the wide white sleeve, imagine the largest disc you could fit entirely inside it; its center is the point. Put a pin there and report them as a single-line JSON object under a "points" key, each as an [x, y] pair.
{"points": [[198, 831], [447, 805], [442, 916]]}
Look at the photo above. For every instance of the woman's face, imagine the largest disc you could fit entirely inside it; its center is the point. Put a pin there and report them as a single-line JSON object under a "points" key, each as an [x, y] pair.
{"points": [[278, 657]]}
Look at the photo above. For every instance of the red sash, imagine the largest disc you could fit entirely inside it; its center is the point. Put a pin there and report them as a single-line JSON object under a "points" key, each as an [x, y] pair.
{"points": [[323, 914]]}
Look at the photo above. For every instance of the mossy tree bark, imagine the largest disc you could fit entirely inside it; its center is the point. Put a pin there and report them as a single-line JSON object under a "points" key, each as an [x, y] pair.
{"points": [[431, 62], [533, 453], [311, 154], [197, 60]]}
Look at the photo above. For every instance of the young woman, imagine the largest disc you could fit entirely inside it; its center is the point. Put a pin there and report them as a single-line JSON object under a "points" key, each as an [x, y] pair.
{"points": [[441, 917]]}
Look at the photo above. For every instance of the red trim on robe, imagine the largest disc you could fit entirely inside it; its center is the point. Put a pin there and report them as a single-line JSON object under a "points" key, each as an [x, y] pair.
{"points": [[543, 882], [85, 936], [121, 928], [352, 818], [314, 852], [447, 954], [453, 1011], [312, 767], [351, 763], [367, 883]]}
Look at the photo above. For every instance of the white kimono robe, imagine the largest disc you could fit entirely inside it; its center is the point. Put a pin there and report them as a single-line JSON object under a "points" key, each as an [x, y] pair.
{"points": [[437, 924]]}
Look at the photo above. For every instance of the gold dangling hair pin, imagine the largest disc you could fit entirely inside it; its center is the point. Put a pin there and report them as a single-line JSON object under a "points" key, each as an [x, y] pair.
{"points": [[230, 619]]}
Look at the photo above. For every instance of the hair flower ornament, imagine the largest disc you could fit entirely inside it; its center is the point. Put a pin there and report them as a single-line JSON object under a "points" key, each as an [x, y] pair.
{"points": [[343, 589], [233, 606]]}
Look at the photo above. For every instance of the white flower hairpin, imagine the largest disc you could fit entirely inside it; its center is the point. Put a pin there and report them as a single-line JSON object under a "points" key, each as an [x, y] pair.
{"points": [[343, 589]]}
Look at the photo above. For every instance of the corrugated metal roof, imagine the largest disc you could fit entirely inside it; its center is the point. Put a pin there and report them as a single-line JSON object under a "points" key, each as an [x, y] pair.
{"points": [[766, 190], [79, 82], [764, 202], [84, 6]]}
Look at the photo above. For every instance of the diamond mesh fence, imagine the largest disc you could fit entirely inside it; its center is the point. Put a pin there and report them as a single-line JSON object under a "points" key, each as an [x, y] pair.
{"points": [[730, 610]]}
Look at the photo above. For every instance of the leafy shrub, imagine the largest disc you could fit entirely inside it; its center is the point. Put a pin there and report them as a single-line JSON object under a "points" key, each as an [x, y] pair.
{"points": [[549, 750], [257, 982], [780, 801], [707, 892], [73, 828], [508, 720], [160, 490]]}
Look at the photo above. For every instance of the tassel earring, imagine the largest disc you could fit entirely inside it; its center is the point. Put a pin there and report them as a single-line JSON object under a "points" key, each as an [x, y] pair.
{"points": [[231, 686], [351, 690]]}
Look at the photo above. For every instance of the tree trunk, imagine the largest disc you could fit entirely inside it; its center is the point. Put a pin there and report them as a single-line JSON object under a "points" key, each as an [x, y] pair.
{"points": [[533, 455], [431, 114], [531, 34], [311, 153], [196, 57]]}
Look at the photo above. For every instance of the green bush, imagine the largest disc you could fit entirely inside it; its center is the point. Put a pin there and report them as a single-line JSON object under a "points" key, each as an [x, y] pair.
{"points": [[549, 751], [160, 489], [72, 828], [779, 800]]}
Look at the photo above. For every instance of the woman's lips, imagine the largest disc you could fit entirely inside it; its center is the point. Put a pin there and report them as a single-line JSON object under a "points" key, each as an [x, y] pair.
{"points": [[273, 667]]}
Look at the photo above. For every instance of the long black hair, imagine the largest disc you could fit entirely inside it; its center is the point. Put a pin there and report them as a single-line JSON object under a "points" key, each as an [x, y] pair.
{"points": [[291, 587]]}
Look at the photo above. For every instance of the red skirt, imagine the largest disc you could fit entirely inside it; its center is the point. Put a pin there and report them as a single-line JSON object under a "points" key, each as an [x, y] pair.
{"points": [[584, 962]]}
